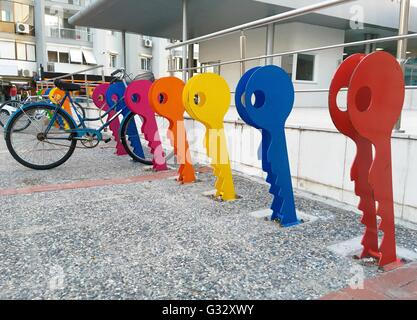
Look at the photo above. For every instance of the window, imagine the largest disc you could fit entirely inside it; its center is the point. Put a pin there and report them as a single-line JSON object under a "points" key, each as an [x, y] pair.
{"points": [[7, 50], [300, 67], [305, 67], [52, 56], [411, 72], [21, 51], [16, 12], [23, 13], [31, 52], [64, 57], [207, 67], [287, 63], [6, 11], [113, 61], [145, 64]]}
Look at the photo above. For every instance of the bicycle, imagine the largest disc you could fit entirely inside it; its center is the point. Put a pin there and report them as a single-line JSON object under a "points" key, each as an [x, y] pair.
{"points": [[52, 136]]}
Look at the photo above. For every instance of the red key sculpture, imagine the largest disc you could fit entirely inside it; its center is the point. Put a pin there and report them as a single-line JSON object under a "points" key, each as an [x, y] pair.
{"points": [[99, 98], [165, 97], [375, 101]]}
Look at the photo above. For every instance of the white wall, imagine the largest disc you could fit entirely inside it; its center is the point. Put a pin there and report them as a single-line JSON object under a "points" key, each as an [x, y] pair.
{"points": [[383, 13]]}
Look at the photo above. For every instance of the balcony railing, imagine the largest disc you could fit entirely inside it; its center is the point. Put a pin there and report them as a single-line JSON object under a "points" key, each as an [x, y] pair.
{"points": [[69, 34]]}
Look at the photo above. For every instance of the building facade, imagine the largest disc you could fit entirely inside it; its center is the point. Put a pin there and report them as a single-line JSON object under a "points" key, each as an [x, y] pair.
{"points": [[35, 33]]}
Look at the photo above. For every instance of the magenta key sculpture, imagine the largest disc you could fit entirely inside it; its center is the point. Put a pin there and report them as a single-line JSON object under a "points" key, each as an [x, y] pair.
{"points": [[99, 99], [137, 100]]}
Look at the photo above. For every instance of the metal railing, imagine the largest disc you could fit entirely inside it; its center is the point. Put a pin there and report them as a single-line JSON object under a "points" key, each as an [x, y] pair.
{"points": [[85, 84], [68, 34], [401, 39], [289, 53]]}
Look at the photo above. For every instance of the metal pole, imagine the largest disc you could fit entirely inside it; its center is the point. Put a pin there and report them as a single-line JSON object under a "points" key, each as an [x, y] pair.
{"points": [[40, 31], [124, 50], [184, 37], [402, 44], [190, 60], [242, 53], [270, 38]]}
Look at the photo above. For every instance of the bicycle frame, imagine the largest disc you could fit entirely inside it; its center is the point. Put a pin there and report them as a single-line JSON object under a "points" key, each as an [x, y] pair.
{"points": [[82, 128]]}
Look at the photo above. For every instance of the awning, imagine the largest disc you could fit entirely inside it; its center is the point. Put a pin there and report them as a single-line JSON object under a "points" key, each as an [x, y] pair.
{"points": [[76, 56], [163, 18], [89, 57]]}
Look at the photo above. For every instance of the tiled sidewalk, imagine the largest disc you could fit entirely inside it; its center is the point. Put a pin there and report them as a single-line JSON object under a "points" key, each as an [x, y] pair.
{"points": [[399, 284]]}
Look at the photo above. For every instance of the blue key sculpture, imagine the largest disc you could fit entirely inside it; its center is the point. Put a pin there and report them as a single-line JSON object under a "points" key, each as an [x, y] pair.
{"points": [[273, 91], [115, 96]]}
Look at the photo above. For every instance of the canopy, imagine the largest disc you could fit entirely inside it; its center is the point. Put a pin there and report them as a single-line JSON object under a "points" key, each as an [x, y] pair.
{"points": [[162, 18]]}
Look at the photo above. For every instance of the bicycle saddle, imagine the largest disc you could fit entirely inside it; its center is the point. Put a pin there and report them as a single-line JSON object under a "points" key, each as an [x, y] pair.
{"points": [[67, 86]]}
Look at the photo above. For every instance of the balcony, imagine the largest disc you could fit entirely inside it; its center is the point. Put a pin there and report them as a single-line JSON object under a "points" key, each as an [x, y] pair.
{"points": [[69, 34]]}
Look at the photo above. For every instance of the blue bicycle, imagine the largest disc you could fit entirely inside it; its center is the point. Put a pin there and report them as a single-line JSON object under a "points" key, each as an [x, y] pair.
{"points": [[52, 135]]}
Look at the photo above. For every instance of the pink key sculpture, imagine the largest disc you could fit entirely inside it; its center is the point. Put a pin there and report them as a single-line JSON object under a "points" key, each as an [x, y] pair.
{"points": [[99, 99], [136, 97]]}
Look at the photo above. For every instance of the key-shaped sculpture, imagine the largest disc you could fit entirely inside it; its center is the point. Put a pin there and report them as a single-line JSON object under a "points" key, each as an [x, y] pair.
{"points": [[375, 101], [56, 95], [165, 97], [137, 99], [115, 98], [99, 99], [265, 98], [206, 99], [240, 106], [364, 158]]}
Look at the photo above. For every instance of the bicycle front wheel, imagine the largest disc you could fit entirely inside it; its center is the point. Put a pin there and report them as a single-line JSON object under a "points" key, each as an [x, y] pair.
{"points": [[7, 109], [134, 141], [35, 148]]}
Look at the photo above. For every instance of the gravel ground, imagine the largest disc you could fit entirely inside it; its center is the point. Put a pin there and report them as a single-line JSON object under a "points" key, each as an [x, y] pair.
{"points": [[158, 240]]}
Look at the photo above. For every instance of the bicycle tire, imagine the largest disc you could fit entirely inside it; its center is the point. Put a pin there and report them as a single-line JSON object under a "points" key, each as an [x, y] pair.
{"points": [[48, 108], [6, 114], [124, 138]]}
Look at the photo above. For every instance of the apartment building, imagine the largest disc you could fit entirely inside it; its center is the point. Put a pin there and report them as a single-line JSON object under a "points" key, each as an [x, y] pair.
{"points": [[37, 32]]}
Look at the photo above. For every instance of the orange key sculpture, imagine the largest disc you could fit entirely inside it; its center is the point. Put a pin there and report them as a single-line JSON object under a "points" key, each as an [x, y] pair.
{"points": [[375, 101], [165, 97], [56, 95]]}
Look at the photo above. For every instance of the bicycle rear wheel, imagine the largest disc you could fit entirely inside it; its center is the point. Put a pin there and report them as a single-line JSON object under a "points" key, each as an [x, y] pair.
{"points": [[32, 147], [134, 141]]}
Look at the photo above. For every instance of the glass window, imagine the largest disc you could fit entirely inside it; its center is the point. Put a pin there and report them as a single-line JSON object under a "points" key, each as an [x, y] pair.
{"points": [[145, 64], [31, 52], [305, 67], [287, 63], [52, 56], [113, 61], [411, 72], [64, 57], [7, 50], [23, 13], [21, 51], [6, 11]]}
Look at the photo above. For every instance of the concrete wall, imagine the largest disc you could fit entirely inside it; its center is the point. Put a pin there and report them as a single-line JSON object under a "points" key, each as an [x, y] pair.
{"points": [[320, 161]]}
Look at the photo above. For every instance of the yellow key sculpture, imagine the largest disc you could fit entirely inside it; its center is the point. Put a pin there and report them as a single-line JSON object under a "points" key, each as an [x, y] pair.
{"points": [[207, 99]]}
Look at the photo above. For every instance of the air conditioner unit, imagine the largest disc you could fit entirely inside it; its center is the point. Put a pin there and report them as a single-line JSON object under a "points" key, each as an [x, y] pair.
{"points": [[50, 67], [24, 73], [22, 28], [148, 43]]}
